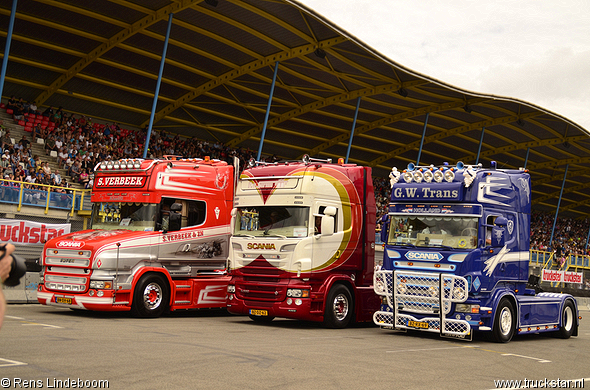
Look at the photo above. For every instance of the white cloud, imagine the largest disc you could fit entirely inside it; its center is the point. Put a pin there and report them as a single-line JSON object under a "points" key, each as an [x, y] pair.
{"points": [[532, 50]]}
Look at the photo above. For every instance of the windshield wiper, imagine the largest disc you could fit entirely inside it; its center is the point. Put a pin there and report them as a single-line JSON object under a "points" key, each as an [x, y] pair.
{"points": [[404, 244], [244, 235], [439, 246], [274, 235]]}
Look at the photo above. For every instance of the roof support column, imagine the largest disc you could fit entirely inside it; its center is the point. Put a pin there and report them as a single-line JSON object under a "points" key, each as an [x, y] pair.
{"points": [[526, 159], [358, 104], [7, 49], [483, 130], [557, 210], [422, 141], [272, 90], [157, 92]]}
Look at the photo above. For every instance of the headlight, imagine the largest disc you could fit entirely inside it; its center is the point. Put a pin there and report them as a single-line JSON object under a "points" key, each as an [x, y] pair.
{"points": [[401, 288], [231, 289], [379, 286], [459, 293], [297, 293], [433, 291], [101, 284], [466, 308]]}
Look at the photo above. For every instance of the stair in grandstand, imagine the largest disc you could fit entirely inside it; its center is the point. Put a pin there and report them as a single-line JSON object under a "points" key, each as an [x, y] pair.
{"points": [[16, 133]]}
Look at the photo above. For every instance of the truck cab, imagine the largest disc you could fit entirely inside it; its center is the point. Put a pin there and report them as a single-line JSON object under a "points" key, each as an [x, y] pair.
{"points": [[158, 240], [457, 254], [302, 243]]}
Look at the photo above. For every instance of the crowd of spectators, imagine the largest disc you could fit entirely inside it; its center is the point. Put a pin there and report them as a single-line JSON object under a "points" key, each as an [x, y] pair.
{"points": [[569, 237]]}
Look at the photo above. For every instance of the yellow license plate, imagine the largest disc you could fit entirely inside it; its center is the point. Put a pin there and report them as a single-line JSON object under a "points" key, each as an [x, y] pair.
{"points": [[255, 312], [64, 300], [418, 324]]}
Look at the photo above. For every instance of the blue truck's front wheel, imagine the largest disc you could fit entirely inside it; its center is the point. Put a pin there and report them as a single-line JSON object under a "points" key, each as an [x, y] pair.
{"points": [[504, 322]]}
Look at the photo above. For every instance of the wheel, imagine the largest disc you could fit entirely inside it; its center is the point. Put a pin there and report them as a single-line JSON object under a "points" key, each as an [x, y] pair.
{"points": [[568, 320], [339, 307], [151, 297], [504, 322], [261, 319]]}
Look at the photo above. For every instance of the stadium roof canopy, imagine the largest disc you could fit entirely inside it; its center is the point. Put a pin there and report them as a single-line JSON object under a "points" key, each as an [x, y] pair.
{"points": [[102, 58]]}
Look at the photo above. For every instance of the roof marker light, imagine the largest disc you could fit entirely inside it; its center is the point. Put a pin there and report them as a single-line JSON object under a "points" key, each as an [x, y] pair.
{"points": [[407, 176], [438, 176], [418, 176], [449, 175], [428, 176]]}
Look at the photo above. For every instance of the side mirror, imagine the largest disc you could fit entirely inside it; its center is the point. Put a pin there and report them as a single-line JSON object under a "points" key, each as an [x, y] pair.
{"points": [[175, 221], [384, 228], [498, 237], [327, 225]]}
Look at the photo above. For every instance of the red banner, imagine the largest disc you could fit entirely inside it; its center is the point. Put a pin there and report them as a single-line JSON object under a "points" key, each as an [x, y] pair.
{"points": [[562, 276]]}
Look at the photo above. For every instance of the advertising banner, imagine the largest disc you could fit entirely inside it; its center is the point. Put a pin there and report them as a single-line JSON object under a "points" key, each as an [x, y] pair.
{"points": [[28, 232], [562, 276]]}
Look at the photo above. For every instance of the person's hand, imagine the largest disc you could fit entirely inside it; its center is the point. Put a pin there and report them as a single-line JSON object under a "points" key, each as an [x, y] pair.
{"points": [[6, 262]]}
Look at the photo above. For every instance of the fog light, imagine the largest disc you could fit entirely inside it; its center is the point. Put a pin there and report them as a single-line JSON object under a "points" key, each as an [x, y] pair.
{"points": [[468, 317], [91, 293], [289, 301], [231, 289], [298, 302], [99, 293]]}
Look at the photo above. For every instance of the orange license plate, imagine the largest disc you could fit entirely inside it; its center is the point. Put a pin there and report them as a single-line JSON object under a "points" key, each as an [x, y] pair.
{"points": [[418, 324], [63, 300], [256, 312]]}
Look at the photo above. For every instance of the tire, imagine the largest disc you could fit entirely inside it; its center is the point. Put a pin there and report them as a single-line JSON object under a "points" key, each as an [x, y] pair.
{"points": [[261, 319], [504, 322], [151, 297], [339, 307], [568, 320]]}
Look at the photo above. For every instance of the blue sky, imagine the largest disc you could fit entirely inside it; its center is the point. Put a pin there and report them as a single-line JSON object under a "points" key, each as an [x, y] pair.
{"points": [[533, 50]]}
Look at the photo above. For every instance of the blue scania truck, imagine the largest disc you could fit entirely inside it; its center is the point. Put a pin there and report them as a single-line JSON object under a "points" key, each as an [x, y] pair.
{"points": [[456, 256]]}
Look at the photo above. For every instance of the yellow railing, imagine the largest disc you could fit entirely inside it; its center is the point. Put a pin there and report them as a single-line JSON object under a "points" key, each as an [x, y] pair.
{"points": [[78, 196], [545, 260]]}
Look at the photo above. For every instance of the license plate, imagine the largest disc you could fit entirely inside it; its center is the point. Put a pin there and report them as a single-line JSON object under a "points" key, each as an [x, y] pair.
{"points": [[63, 300], [255, 312], [418, 324]]}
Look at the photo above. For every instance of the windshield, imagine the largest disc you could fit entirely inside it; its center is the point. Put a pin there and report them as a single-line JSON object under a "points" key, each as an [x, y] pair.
{"points": [[432, 231], [116, 215], [272, 221]]}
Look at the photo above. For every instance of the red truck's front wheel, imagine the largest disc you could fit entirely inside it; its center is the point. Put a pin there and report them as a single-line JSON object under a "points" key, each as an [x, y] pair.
{"points": [[151, 297], [339, 307]]}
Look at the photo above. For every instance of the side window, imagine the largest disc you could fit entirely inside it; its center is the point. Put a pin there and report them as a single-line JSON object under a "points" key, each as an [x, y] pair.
{"points": [[195, 213]]}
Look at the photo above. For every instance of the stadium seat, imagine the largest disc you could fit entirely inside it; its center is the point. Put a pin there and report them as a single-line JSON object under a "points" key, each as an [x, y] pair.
{"points": [[53, 153], [9, 111]]}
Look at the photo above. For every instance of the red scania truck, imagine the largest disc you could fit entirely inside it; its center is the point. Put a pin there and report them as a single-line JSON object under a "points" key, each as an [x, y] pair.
{"points": [[158, 240], [303, 243]]}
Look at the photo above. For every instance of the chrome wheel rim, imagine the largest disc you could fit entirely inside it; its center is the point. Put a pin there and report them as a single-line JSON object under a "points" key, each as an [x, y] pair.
{"points": [[152, 296]]}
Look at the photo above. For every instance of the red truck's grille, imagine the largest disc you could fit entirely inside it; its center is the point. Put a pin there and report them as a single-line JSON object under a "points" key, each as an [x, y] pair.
{"points": [[260, 291]]}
